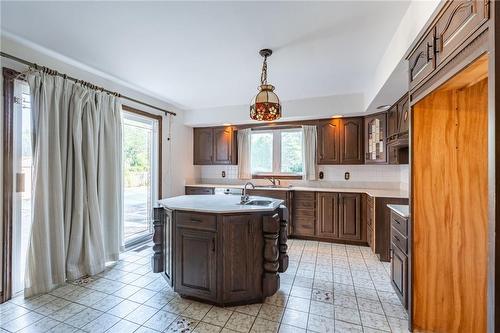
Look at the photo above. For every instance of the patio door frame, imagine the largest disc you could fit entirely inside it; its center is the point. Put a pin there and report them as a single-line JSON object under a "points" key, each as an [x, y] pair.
{"points": [[9, 75], [158, 118]]}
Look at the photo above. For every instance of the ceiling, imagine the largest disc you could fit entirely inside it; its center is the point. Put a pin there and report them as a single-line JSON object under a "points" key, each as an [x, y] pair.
{"points": [[205, 54]]}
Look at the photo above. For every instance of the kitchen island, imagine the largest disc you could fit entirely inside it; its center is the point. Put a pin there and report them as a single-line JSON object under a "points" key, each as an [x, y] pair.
{"points": [[218, 250]]}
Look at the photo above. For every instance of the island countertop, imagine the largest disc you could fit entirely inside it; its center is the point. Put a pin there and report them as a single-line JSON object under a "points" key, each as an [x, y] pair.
{"points": [[217, 204]]}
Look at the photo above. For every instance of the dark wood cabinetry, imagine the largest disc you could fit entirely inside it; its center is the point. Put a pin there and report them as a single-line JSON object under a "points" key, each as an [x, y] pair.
{"points": [[399, 262], [328, 145], [370, 222], [375, 139], [382, 226], [392, 122], [422, 61], [240, 235], [195, 190], [196, 266], [203, 145], [459, 20], [340, 141], [350, 217], [214, 145], [351, 141], [304, 213], [328, 212], [339, 217]]}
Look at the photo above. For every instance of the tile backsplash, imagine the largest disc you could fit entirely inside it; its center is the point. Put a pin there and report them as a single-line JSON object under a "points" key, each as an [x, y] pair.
{"points": [[370, 176]]}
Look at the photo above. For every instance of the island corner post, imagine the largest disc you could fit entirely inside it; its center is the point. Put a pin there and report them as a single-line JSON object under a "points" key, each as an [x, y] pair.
{"points": [[245, 270]]}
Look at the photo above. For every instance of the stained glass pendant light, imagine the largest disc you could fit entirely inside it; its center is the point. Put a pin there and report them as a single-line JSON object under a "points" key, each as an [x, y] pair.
{"points": [[266, 104]]}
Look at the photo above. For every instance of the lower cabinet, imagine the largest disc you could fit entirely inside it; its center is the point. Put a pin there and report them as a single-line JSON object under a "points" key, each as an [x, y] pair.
{"points": [[241, 234], [399, 257], [340, 217], [327, 225], [196, 263], [399, 274], [350, 216]]}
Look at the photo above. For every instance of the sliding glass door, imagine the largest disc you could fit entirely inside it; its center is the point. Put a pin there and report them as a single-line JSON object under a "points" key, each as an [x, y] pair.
{"points": [[140, 175], [22, 166]]}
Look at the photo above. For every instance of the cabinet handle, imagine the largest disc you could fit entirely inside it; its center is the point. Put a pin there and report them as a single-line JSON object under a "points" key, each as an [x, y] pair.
{"points": [[429, 54], [213, 244]]}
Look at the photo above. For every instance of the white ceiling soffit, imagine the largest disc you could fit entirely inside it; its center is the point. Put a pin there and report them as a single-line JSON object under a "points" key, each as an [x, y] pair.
{"points": [[205, 54]]}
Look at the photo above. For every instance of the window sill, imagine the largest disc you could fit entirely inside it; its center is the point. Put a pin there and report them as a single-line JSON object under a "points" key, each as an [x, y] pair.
{"points": [[278, 176]]}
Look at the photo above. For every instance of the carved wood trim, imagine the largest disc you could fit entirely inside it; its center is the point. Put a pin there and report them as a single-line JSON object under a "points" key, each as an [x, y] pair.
{"points": [[271, 280], [157, 259], [282, 240]]}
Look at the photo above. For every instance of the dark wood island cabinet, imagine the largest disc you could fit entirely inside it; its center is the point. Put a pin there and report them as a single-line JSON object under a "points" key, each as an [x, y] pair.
{"points": [[223, 258]]}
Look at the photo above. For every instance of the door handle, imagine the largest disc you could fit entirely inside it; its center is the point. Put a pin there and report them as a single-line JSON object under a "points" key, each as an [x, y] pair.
{"points": [[213, 244], [20, 181]]}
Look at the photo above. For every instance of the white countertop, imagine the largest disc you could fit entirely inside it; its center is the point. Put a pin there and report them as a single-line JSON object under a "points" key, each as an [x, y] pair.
{"points": [[217, 204], [380, 193], [402, 210]]}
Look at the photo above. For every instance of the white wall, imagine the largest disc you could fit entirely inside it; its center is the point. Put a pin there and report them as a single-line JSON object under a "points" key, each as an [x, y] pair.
{"points": [[309, 108], [390, 80]]}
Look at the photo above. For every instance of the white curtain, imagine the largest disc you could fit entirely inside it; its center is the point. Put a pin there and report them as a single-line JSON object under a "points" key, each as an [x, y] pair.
{"points": [[309, 151], [244, 153], [77, 184]]}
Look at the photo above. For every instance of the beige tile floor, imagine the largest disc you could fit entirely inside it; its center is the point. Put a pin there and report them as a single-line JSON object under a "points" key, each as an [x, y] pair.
{"points": [[327, 288]]}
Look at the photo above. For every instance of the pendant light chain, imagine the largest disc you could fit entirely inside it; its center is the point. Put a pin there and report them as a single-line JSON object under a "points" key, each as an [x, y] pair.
{"points": [[263, 75]]}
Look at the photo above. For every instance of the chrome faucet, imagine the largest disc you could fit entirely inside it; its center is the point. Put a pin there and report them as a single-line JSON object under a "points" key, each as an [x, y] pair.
{"points": [[274, 181], [245, 197]]}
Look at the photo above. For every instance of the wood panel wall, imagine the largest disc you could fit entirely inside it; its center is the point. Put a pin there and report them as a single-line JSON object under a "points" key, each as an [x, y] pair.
{"points": [[449, 208]]}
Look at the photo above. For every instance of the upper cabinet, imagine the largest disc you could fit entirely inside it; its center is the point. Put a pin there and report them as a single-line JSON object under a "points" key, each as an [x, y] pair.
{"points": [[214, 145], [459, 20], [340, 141], [328, 149], [457, 23], [375, 139], [392, 122], [403, 115]]}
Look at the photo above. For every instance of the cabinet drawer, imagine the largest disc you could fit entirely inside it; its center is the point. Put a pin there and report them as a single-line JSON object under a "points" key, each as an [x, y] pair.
{"points": [[399, 223], [199, 190], [195, 220], [399, 240], [305, 196], [304, 213], [302, 204], [303, 226]]}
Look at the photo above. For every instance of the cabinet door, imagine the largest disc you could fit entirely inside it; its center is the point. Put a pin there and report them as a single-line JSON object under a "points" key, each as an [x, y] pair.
{"points": [[242, 257], [392, 123], [350, 216], [375, 139], [351, 141], [195, 263], [422, 60], [224, 145], [328, 142], [403, 114], [327, 225], [203, 145], [458, 22], [399, 274]]}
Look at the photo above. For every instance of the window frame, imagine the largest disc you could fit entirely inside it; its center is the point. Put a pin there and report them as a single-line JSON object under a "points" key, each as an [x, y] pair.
{"points": [[277, 148]]}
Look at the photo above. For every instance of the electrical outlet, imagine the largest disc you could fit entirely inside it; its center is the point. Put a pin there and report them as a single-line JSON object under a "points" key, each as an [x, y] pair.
{"points": [[223, 174], [347, 175], [321, 175]]}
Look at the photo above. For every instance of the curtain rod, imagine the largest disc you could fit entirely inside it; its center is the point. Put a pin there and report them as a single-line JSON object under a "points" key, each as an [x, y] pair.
{"points": [[54, 72]]}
